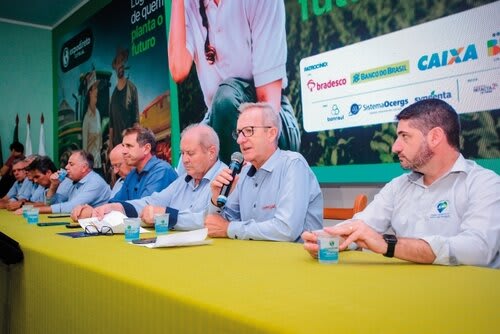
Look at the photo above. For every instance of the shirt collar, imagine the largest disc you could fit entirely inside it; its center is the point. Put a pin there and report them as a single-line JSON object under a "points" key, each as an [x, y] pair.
{"points": [[84, 179], [460, 165], [149, 165], [268, 165], [210, 175]]}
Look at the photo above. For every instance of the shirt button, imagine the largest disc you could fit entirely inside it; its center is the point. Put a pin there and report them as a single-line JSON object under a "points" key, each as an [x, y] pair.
{"points": [[256, 184], [254, 205]]}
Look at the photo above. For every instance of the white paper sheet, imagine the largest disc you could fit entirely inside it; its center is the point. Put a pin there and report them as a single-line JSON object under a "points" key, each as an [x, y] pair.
{"points": [[191, 238]]}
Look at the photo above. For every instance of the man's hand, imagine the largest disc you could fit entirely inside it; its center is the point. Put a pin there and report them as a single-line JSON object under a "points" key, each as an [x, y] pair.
{"points": [[217, 226], [359, 232], [81, 211], [148, 214], [100, 211], [11, 206], [310, 243], [224, 178]]}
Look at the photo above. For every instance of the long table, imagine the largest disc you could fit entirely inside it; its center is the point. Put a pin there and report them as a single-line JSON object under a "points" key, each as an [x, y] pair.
{"points": [[105, 285]]}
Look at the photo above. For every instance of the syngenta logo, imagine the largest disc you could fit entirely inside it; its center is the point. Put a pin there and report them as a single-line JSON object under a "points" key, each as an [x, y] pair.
{"points": [[381, 72], [315, 66], [447, 57], [434, 95], [311, 84]]}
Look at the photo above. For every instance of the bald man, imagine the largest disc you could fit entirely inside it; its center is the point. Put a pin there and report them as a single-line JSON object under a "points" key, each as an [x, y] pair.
{"points": [[120, 167]]}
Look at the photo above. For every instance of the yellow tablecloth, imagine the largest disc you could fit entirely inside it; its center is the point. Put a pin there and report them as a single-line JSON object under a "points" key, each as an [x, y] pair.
{"points": [[105, 285]]}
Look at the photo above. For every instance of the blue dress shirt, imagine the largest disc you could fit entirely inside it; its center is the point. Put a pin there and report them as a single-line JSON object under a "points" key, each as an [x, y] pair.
{"points": [[186, 203], [92, 190], [277, 202], [156, 175]]}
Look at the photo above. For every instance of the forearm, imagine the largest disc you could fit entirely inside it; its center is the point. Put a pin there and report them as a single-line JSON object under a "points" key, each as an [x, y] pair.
{"points": [[179, 59], [414, 250], [270, 93]]}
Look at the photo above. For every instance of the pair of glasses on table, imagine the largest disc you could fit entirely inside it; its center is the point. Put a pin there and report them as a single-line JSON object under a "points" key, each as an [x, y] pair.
{"points": [[94, 230]]}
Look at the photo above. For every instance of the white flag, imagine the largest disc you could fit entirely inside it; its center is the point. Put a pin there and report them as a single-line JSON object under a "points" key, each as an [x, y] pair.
{"points": [[41, 142], [27, 145]]}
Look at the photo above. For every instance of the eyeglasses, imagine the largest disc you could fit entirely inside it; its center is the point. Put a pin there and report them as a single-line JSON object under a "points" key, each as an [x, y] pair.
{"points": [[94, 230], [248, 131]]}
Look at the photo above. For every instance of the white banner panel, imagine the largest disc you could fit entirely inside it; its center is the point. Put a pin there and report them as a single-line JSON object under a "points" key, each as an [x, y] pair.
{"points": [[456, 58]]}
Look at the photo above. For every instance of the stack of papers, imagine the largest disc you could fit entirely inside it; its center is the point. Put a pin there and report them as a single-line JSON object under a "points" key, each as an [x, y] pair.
{"points": [[191, 238]]}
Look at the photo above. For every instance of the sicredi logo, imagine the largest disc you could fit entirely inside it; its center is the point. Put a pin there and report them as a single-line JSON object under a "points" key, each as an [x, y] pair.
{"points": [[311, 84], [315, 66], [447, 57], [381, 72], [433, 95]]}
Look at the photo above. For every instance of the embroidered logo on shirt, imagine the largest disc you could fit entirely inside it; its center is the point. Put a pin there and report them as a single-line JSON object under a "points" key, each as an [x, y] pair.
{"points": [[269, 207], [442, 208]]}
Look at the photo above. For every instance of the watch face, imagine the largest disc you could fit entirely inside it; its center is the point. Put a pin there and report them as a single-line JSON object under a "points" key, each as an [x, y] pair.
{"points": [[390, 238]]}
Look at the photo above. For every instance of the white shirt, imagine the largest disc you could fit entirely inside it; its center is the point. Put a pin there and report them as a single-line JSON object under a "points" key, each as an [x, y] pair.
{"points": [[458, 215], [249, 37]]}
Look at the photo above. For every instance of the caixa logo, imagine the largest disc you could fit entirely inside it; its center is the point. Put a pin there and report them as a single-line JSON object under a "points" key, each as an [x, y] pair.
{"points": [[447, 57], [311, 84], [315, 66]]}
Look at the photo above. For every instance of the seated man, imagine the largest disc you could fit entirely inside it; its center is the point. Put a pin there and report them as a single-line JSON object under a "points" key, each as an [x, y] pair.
{"points": [[277, 196], [149, 174], [119, 166], [82, 185], [186, 199], [446, 211], [39, 169], [20, 186]]}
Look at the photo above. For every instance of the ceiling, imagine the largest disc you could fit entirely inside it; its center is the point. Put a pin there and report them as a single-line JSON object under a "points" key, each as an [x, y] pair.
{"points": [[40, 13]]}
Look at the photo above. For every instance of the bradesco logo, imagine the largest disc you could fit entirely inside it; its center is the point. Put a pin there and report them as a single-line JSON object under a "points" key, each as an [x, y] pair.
{"points": [[381, 72], [447, 57], [315, 66], [312, 85]]}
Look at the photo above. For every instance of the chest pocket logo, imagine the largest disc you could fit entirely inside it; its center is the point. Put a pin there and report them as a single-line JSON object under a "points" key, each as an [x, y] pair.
{"points": [[441, 206]]}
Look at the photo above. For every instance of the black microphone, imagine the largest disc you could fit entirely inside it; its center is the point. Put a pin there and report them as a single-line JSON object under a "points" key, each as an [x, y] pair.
{"points": [[235, 166]]}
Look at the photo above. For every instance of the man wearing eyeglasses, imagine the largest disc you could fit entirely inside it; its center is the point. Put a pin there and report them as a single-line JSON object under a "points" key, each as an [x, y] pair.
{"points": [[21, 185], [119, 166], [276, 196]]}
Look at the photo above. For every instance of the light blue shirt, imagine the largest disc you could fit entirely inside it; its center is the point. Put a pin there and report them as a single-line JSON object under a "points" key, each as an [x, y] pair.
{"points": [[277, 202], [26, 190], [156, 175], [116, 187], [38, 194], [92, 190], [182, 199], [458, 215], [14, 190]]}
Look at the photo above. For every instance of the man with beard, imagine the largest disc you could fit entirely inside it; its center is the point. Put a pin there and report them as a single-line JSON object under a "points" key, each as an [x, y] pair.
{"points": [[124, 106], [446, 211]]}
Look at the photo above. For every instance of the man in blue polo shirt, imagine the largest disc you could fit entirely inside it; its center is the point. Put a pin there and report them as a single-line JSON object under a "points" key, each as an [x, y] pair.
{"points": [[149, 174]]}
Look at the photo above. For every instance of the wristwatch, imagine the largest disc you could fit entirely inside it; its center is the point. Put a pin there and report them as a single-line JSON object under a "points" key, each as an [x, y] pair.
{"points": [[391, 244]]}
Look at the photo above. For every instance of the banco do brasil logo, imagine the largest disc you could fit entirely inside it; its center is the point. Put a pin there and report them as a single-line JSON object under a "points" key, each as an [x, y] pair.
{"points": [[381, 72], [447, 57]]}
